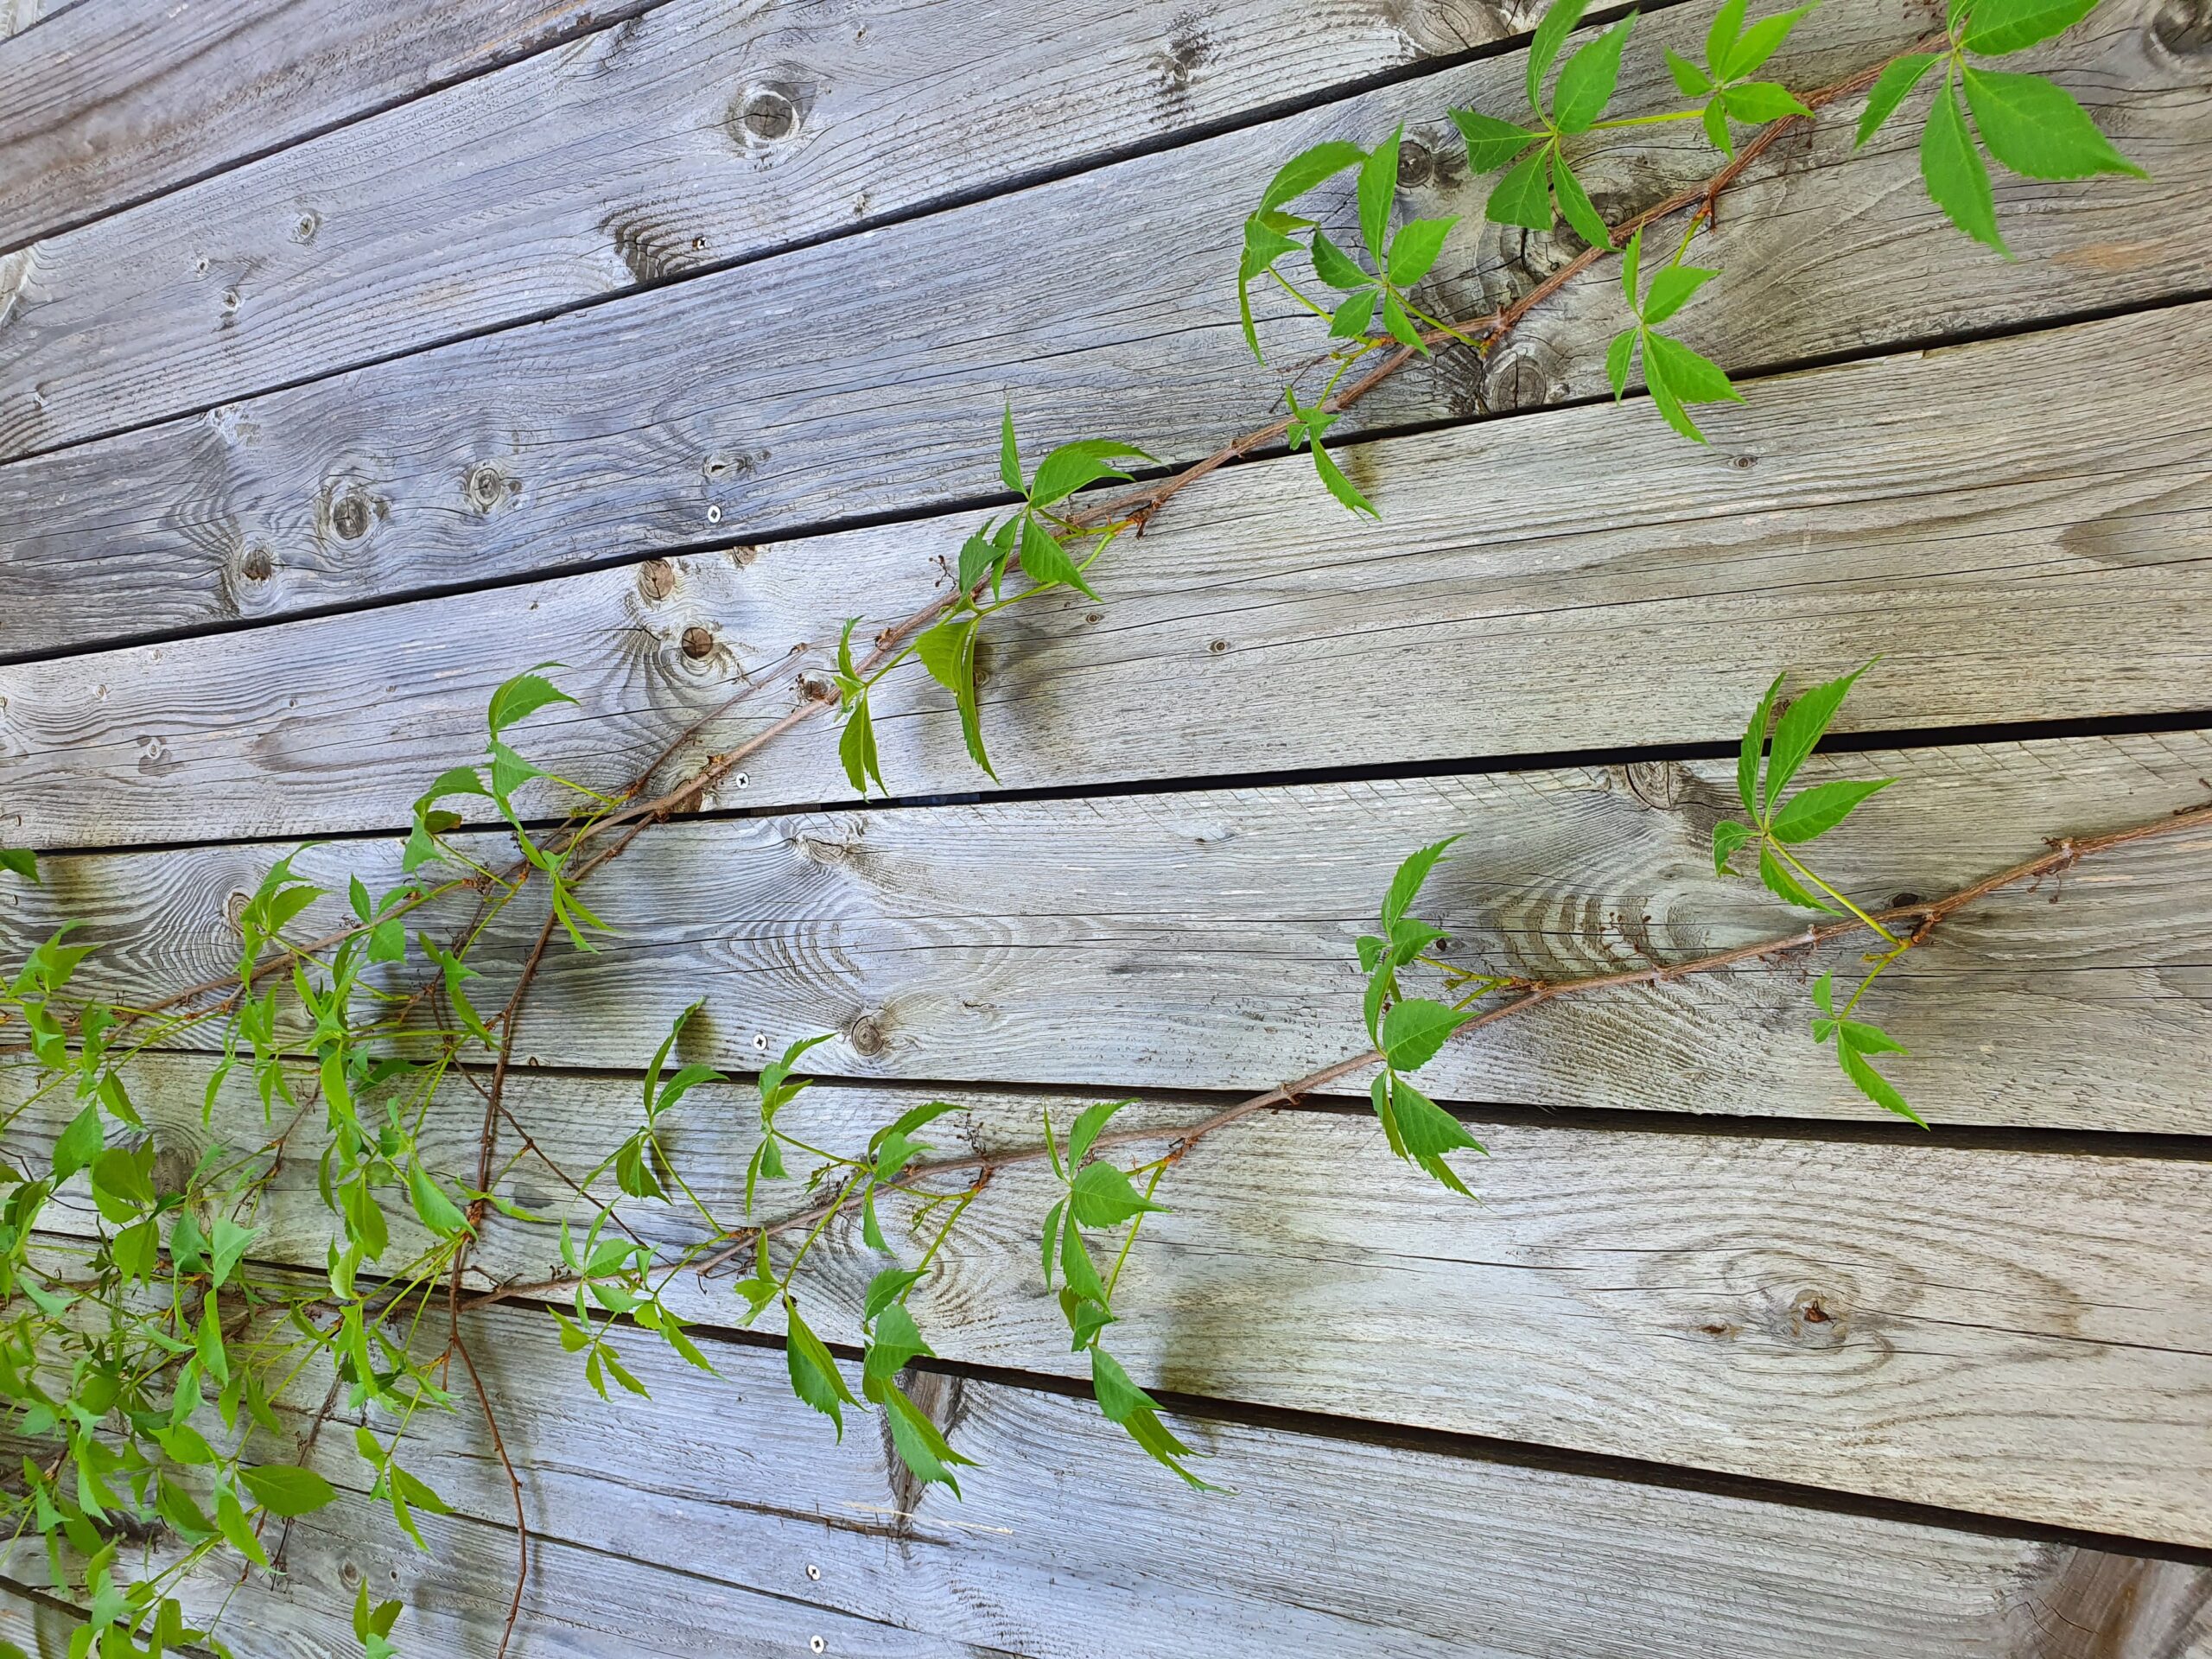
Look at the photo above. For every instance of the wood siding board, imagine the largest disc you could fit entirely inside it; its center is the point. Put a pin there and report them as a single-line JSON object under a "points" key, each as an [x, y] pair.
{"points": [[1204, 940], [1575, 579], [696, 135], [105, 105], [1872, 1318], [865, 379]]}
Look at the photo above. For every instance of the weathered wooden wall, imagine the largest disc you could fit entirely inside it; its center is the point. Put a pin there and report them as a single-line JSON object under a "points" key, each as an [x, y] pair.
{"points": [[354, 359]]}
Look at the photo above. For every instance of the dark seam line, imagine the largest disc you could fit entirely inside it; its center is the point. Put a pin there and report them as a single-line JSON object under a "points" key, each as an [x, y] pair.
{"points": [[1916, 738]]}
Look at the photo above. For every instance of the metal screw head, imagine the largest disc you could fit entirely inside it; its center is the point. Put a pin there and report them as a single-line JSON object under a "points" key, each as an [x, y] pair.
{"points": [[742, 780], [816, 1644], [760, 1041], [714, 515], [813, 1572]]}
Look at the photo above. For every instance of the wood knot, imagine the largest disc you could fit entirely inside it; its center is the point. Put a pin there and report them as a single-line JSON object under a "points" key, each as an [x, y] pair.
{"points": [[698, 643], [1818, 1318], [258, 566], [486, 485], [868, 1036], [349, 516], [656, 580], [2183, 26], [768, 114]]}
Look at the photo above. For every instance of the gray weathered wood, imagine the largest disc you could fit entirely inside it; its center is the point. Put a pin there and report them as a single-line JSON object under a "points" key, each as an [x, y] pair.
{"points": [[1873, 1318], [1067, 1545], [106, 104], [866, 376], [698, 134], [1576, 578], [581, 1604], [1204, 940]]}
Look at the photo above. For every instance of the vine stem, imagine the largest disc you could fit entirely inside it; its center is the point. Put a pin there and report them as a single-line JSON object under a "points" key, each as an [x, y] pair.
{"points": [[514, 1488], [1923, 917]]}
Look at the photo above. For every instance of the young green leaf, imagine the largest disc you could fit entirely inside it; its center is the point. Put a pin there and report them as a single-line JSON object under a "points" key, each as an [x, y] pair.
{"points": [[2001, 26], [1957, 180], [1784, 885], [1728, 837], [1009, 454], [1101, 1196], [1890, 91], [857, 749], [1308, 169], [1378, 189], [1412, 875], [1523, 196], [1076, 466], [1552, 30], [1336, 267], [1801, 729], [1574, 204], [1415, 248], [1491, 144], [1813, 812], [1415, 1028], [1671, 290], [287, 1489], [1586, 86], [815, 1376], [2035, 127]]}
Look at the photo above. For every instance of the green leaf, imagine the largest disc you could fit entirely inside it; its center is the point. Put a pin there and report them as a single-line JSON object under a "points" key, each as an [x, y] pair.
{"points": [[1632, 266], [1308, 169], [1876, 1087], [1552, 30], [1076, 466], [1426, 1132], [20, 860], [1814, 811], [1415, 248], [1336, 267], [1490, 143], [438, 1213], [1586, 86], [388, 940], [1754, 744], [2001, 26], [1148, 1432], [1864, 1039], [921, 1446], [896, 1344], [1720, 36], [1523, 196], [1340, 486], [79, 1144], [1575, 204], [1378, 189], [886, 1287], [1051, 1245], [1895, 81], [1618, 359], [1801, 729], [1264, 243], [1349, 319], [1401, 326], [231, 1519], [1689, 80], [1662, 393], [1088, 1123], [1119, 1397], [1080, 1271], [1715, 120], [120, 1173], [2035, 127], [521, 697], [1415, 1028], [1728, 835], [1957, 180], [815, 1376], [976, 554], [857, 749], [230, 1245], [285, 1489], [1009, 456], [1761, 101], [1412, 875], [1671, 289], [1758, 43], [1691, 376], [1102, 1197], [1784, 885], [1046, 560]]}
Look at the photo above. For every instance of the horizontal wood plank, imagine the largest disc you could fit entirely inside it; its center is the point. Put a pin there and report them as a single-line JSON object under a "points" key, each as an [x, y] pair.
{"points": [[697, 134], [1877, 1319], [106, 104], [866, 378], [1577, 578], [1066, 1545], [1205, 940]]}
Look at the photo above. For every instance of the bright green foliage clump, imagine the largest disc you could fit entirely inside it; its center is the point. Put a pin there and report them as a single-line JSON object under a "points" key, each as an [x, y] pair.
{"points": [[2027, 123], [1673, 373], [1054, 549], [1779, 830], [1732, 54], [1407, 1031]]}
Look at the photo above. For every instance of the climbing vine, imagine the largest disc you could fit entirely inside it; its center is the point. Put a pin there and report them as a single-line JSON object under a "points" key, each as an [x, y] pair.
{"points": [[152, 1351]]}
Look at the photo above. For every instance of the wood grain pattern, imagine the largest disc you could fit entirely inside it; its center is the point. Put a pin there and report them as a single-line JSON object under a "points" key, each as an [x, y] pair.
{"points": [[103, 105], [1067, 1546], [1575, 578], [865, 378], [1204, 940], [1872, 1318], [697, 134]]}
